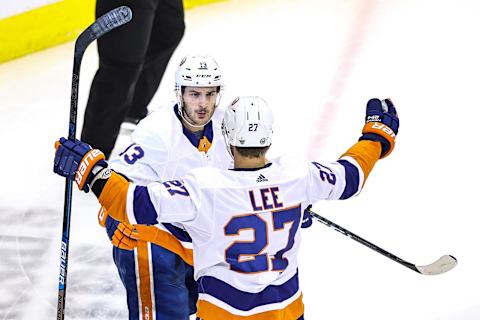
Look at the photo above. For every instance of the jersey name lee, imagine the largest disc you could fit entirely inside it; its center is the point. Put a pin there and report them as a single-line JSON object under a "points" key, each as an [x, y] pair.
{"points": [[265, 199]]}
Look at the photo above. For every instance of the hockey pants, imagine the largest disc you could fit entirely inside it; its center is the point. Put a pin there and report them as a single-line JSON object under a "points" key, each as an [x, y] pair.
{"points": [[162, 280]]}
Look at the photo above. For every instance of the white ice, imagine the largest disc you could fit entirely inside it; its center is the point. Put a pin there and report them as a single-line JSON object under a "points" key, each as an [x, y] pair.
{"points": [[316, 62]]}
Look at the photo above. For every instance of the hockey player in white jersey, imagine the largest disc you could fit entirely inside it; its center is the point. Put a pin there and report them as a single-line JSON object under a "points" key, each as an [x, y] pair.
{"points": [[244, 222], [156, 269]]}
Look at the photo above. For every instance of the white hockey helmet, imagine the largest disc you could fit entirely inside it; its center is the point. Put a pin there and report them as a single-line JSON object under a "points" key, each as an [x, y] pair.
{"points": [[248, 123], [197, 71]]}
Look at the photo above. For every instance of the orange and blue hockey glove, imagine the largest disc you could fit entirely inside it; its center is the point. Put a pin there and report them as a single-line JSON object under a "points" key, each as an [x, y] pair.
{"points": [[381, 124], [122, 234], [75, 160]]}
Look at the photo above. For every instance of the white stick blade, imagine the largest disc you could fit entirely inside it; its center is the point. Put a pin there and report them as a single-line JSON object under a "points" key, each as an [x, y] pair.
{"points": [[442, 265]]}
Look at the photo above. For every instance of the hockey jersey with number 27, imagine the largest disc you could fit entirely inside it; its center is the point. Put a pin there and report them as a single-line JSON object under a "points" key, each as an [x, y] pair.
{"points": [[244, 226]]}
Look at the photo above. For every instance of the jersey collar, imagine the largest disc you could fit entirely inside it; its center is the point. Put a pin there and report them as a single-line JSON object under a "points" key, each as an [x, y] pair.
{"points": [[252, 169]]}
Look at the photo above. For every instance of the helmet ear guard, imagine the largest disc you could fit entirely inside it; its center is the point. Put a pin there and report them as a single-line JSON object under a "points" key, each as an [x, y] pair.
{"points": [[248, 123]]}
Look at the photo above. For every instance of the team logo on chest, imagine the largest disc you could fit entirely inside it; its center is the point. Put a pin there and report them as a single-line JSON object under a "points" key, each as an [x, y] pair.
{"points": [[204, 144], [261, 178]]}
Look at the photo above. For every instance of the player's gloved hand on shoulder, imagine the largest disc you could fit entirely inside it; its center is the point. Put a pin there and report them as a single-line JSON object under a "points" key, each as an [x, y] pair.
{"points": [[75, 160], [381, 124]]}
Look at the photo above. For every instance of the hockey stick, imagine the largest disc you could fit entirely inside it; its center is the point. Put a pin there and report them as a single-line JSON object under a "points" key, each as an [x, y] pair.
{"points": [[442, 265], [102, 25]]}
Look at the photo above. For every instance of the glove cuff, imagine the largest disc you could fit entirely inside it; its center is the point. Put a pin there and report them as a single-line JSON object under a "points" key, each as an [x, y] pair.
{"points": [[384, 134], [88, 162]]}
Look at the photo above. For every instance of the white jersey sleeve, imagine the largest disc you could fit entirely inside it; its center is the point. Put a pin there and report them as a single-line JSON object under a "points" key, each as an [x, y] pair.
{"points": [[169, 201], [344, 178], [143, 160], [334, 180]]}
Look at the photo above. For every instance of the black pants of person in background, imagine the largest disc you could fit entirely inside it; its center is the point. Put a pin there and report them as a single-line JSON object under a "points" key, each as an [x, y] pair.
{"points": [[132, 60]]}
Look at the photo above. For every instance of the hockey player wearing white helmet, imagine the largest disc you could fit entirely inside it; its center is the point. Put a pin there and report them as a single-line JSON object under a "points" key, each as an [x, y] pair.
{"points": [[198, 85], [244, 222], [156, 268], [247, 125]]}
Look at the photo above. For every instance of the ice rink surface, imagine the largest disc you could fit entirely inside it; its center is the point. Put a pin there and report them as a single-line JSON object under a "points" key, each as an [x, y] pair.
{"points": [[316, 62]]}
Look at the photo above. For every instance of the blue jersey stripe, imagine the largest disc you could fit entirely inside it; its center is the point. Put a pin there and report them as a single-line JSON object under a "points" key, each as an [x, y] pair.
{"points": [[352, 179], [145, 213], [179, 233], [245, 301], [143, 208]]}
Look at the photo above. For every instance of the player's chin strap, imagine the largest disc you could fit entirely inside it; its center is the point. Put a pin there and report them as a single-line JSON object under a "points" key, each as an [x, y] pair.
{"points": [[191, 124], [180, 109]]}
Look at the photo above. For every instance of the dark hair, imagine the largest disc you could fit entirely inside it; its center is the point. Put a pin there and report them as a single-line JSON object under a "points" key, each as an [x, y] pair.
{"points": [[252, 152]]}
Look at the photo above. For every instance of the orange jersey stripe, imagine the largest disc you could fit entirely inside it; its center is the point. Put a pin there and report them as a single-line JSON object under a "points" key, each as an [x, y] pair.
{"points": [[366, 153], [209, 311], [114, 197], [165, 240], [145, 290]]}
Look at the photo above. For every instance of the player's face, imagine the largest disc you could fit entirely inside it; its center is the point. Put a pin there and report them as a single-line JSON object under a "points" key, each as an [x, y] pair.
{"points": [[199, 104]]}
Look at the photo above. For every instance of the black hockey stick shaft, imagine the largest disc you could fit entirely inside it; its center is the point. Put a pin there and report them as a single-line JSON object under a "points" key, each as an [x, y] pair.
{"points": [[102, 25], [353, 236], [444, 264]]}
